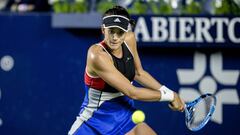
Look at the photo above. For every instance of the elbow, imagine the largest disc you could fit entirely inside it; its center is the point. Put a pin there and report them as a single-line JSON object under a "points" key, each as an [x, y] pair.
{"points": [[134, 97], [137, 74], [131, 91], [133, 94], [140, 72]]}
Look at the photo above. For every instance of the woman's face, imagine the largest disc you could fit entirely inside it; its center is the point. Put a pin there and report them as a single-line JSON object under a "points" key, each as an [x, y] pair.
{"points": [[114, 37]]}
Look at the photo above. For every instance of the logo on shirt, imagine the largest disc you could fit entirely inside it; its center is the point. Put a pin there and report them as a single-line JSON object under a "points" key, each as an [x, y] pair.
{"points": [[128, 58]]}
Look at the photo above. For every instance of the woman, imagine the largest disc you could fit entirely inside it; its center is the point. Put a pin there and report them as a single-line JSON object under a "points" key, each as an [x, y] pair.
{"points": [[111, 67]]}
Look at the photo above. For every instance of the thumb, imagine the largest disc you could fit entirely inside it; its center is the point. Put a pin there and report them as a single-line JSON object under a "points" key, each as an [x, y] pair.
{"points": [[170, 105]]}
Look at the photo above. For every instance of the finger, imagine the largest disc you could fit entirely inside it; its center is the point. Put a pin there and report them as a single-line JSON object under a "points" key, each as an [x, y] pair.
{"points": [[182, 105], [179, 107], [182, 109], [172, 107]]}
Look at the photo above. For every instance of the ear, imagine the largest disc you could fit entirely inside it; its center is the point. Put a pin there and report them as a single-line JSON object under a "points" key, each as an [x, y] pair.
{"points": [[102, 28]]}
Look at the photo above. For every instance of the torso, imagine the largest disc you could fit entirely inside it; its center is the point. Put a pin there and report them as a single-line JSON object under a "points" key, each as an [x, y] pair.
{"points": [[125, 65]]}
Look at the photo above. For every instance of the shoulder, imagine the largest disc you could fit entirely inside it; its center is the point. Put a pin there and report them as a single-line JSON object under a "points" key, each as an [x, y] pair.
{"points": [[97, 55], [130, 39]]}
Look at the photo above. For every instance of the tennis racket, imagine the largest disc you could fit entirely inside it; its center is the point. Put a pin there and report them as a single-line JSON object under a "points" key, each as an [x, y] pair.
{"points": [[199, 111]]}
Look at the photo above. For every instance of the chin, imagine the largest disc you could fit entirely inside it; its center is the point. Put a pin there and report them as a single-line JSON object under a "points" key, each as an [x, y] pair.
{"points": [[114, 46]]}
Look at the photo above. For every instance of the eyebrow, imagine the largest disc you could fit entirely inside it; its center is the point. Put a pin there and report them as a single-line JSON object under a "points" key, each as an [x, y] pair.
{"points": [[118, 29]]}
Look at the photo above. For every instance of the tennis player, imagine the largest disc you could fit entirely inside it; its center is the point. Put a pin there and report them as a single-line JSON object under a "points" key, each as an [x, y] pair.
{"points": [[112, 65]]}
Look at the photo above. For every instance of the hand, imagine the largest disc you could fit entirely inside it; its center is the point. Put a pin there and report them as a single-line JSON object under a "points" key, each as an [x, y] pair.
{"points": [[177, 104]]}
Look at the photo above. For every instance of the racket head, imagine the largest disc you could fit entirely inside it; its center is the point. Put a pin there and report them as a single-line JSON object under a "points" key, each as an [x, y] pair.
{"points": [[199, 111]]}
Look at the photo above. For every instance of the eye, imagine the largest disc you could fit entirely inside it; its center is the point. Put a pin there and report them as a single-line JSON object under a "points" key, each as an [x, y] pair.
{"points": [[120, 33], [111, 31], [117, 31]]}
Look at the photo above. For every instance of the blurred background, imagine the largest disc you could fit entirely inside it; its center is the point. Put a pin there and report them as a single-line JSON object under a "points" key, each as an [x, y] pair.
{"points": [[192, 46]]}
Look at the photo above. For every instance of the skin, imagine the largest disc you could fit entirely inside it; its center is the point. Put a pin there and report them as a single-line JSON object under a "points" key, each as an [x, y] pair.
{"points": [[99, 64]]}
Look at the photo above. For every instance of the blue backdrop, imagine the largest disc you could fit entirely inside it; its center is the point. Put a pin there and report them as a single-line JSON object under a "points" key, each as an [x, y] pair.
{"points": [[42, 68]]}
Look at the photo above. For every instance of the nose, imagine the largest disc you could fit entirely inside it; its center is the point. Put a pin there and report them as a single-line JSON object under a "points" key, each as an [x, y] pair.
{"points": [[114, 36]]}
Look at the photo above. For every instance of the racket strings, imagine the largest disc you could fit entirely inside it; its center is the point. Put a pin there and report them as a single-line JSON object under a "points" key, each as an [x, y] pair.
{"points": [[191, 114], [199, 113]]}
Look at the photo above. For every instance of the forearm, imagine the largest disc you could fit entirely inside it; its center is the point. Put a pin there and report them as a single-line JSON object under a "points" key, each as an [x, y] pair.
{"points": [[145, 94], [163, 94], [146, 80]]}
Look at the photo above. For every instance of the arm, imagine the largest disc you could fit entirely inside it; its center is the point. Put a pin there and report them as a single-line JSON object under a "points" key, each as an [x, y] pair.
{"points": [[100, 63], [142, 77], [145, 79]]}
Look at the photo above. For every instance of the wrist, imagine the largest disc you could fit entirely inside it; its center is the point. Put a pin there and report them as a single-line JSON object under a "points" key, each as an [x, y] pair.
{"points": [[166, 94]]}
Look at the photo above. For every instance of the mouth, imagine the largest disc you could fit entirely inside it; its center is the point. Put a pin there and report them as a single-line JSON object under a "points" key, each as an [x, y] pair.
{"points": [[113, 43]]}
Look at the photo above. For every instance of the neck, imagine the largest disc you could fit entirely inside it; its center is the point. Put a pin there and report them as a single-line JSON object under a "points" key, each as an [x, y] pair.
{"points": [[116, 52]]}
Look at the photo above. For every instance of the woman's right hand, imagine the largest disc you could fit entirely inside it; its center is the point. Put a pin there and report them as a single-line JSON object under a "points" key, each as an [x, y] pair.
{"points": [[177, 104]]}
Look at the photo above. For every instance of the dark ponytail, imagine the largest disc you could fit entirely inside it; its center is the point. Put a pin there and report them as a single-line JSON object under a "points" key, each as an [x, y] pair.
{"points": [[133, 23]]}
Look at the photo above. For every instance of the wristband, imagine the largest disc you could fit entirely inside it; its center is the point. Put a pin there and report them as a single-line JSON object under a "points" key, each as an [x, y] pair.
{"points": [[166, 94]]}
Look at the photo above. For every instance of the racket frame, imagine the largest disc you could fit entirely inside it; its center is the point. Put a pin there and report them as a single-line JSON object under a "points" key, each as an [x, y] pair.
{"points": [[189, 107]]}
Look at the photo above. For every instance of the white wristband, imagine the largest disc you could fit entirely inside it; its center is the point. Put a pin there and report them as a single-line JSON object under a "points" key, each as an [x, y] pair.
{"points": [[166, 94]]}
